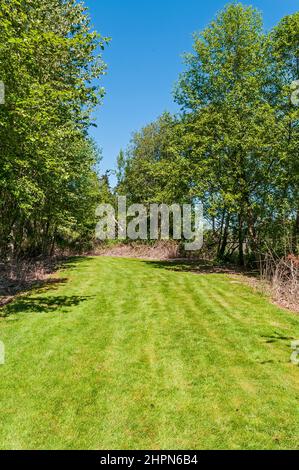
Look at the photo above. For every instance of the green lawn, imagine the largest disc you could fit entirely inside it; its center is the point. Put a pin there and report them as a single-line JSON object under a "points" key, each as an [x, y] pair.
{"points": [[127, 354]]}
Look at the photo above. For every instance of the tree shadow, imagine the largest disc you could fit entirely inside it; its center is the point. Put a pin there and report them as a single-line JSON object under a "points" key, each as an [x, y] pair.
{"points": [[275, 337], [22, 275], [195, 266], [38, 286], [71, 262], [16, 280], [43, 305]]}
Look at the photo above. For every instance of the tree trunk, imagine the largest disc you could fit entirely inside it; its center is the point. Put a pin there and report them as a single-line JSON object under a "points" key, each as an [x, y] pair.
{"points": [[253, 240], [296, 233], [224, 238], [241, 241]]}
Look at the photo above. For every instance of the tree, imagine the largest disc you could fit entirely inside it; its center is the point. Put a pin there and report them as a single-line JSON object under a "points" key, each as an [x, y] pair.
{"points": [[49, 62], [285, 38], [233, 125], [154, 169]]}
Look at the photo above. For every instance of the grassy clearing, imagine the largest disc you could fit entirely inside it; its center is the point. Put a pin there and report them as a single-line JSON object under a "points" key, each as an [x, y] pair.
{"points": [[131, 354]]}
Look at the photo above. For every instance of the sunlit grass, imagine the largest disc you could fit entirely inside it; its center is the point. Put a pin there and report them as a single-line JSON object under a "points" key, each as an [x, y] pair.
{"points": [[130, 354]]}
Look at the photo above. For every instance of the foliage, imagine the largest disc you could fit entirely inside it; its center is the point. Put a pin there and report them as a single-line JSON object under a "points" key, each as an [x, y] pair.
{"points": [[50, 61], [235, 145]]}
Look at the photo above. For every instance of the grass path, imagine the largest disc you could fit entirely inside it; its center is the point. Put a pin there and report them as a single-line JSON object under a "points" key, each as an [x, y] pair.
{"points": [[129, 354]]}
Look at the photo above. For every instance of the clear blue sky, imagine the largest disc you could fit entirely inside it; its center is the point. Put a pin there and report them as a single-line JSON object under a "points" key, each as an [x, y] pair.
{"points": [[144, 58]]}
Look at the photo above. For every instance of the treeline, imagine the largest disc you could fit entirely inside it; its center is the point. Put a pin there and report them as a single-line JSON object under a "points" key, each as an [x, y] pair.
{"points": [[50, 61], [235, 144]]}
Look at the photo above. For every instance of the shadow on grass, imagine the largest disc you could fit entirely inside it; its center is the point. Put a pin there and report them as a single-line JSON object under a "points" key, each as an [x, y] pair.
{"points": [[71, 262], [21, 275], [276, 337], [14, 282], [195, 266], [44, 304]]}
